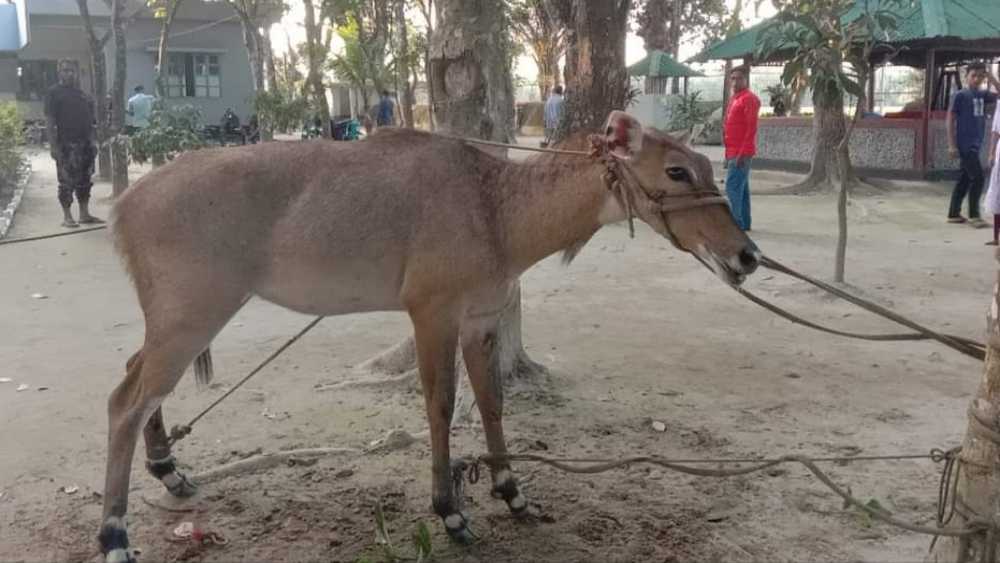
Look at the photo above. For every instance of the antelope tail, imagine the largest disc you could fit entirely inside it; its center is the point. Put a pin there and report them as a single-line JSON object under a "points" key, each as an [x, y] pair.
{"points": [[203, 368]]}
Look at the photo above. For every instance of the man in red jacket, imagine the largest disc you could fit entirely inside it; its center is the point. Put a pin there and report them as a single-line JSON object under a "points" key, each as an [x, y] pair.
{"points": [[739, 134]]}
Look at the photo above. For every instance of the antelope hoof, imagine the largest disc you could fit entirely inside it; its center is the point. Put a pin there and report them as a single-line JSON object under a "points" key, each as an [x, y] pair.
{"points": [[177, 483], [457, 526], [114, 541], [505, 488]]}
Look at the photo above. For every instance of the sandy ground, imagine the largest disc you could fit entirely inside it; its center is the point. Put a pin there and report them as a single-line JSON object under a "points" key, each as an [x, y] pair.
{"points": [[632, 332]]}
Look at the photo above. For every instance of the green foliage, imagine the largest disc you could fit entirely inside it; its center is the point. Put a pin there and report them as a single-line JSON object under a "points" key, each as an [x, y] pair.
{"points": [[829, 39], [12, 160], [172, 130], [422, 544], [688, 112], [280, 109], [865, 519]]}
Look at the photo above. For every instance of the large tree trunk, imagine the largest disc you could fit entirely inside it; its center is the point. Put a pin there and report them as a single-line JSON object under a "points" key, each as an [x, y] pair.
{"points": [[470, 71], [472, 77], [314, 58], [119, 145], [978, 491], [403, 70], [596, 79]]}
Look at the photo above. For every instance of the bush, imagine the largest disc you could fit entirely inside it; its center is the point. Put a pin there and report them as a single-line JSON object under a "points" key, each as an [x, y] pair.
{"points": [[172, 130], [688, 113], [12, 161], [280, 110]]}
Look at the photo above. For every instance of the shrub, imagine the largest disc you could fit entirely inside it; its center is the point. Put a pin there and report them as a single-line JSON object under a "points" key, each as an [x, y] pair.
{"points": [[172, 130], [280, 110], [12, 161], [688, 112]]}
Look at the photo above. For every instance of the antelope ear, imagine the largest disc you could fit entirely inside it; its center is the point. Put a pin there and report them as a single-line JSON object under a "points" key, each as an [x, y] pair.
{"points": [[682, 137], [624, 134]]}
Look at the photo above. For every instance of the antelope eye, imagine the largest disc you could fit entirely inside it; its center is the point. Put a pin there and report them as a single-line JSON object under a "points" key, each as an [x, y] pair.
{"points": [[678, 174]]}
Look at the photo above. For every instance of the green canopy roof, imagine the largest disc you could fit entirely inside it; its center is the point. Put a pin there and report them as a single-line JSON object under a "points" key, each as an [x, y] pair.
{"points": [[928, 19], [658, 64]]}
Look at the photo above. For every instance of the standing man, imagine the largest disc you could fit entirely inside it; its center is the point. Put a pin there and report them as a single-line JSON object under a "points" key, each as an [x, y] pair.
{"points": [[70, 122], [966, 125], [740, 137], [553, 113], [385, 116], [140, 107]]}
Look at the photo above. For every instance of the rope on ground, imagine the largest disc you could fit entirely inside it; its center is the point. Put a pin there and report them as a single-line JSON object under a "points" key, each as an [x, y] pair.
{"points": [[592, 466], [53, 235], [179, 431], [966, 346]]}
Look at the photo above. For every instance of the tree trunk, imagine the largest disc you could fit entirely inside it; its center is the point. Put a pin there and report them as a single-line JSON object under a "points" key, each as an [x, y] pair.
{"points": [[831, 161], [99, 67], [252, 40], [314, 59], [548, 72], [470, 71], [471, 74], [596, 79], [119, 144], [431, 100], [675, 41], [162, 65], [103, 115], [978, 490], [265, 127], [403, 70]]}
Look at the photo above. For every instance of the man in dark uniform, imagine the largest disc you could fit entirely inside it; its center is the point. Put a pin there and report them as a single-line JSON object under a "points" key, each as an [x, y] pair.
{"points": [[70, 121]]}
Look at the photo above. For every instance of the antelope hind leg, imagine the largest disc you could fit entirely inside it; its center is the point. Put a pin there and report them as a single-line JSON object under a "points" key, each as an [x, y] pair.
{"points": [[160, 463], [482, 361]]}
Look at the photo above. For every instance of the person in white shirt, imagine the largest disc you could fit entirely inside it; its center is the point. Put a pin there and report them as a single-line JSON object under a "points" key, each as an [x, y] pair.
{"points": [[140, 107]]}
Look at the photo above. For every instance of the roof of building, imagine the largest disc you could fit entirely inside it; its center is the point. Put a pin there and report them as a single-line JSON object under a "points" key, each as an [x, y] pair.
{"points": [[961, 20], [658, 64]]}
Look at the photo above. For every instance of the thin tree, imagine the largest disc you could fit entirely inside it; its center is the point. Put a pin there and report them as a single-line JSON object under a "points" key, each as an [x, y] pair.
{"points": [[119, 142], [427, 11], [316, 50], [99, 65], [166, 13], [837, 55], [664, 24], [403, 65], [535, 24]]}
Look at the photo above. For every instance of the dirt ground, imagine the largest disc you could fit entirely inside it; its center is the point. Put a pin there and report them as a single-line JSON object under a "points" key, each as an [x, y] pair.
{"points": [[632, 332]]}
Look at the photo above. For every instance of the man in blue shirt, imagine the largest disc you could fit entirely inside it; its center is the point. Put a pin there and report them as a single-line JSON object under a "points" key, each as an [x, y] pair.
{"points": [[966, 126], [553, 112], [385, 111]]}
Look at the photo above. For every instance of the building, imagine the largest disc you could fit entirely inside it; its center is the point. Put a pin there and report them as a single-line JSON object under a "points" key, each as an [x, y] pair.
{"points": [[207, 60]]}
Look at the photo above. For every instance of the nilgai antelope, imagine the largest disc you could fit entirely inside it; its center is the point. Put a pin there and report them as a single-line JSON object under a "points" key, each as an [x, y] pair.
{"points": [[404, 221]]}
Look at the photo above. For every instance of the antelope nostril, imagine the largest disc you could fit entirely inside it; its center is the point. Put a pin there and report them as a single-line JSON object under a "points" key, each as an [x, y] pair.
{"points": [[748, 259]]}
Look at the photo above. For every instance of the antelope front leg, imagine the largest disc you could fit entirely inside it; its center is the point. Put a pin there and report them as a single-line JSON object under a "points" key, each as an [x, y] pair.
{"points": [[436, 333], [482, 360]]}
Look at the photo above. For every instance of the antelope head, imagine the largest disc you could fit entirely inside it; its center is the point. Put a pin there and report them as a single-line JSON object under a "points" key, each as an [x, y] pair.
{"points": [[671, 188]]}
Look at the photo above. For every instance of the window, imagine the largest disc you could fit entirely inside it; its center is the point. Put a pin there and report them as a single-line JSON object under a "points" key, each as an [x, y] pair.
{"points": [[36, 77], [193, 75]]}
